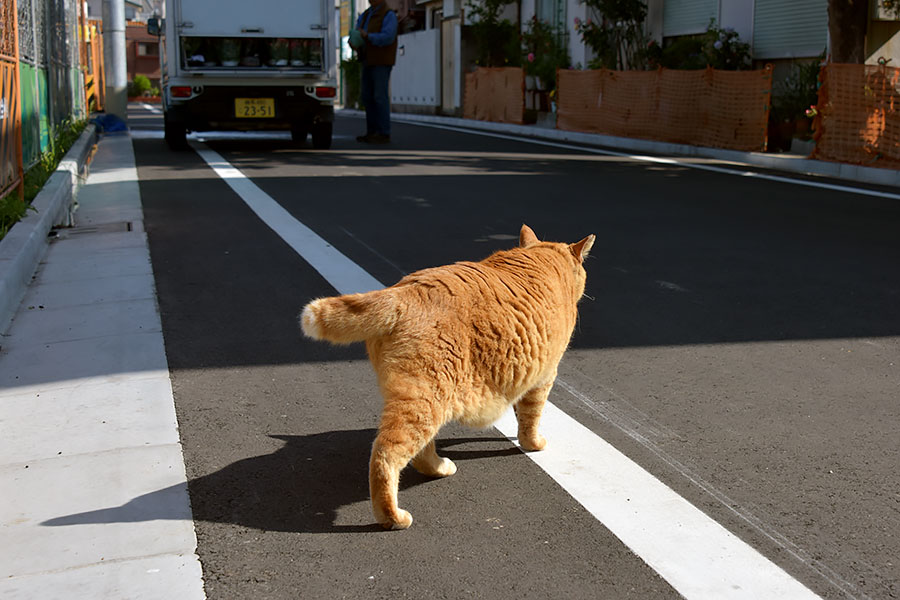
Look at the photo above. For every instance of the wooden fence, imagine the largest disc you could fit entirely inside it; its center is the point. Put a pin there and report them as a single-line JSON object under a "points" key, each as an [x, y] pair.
{"points": [[11, 167]]}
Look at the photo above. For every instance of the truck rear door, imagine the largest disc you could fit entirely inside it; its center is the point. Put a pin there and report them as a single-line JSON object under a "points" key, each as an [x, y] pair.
{"points": [[265, 18]]}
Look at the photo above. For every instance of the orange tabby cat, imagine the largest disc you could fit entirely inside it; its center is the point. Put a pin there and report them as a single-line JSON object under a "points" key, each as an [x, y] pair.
{"points": [[460, 342]]}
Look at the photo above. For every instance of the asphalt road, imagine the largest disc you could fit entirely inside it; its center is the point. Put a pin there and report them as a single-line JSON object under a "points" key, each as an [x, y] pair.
{"points": [[741, 343]]}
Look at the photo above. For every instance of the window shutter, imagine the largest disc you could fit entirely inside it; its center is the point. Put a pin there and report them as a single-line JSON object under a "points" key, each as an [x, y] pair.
{"points": [[687, 17], [795, 29]]}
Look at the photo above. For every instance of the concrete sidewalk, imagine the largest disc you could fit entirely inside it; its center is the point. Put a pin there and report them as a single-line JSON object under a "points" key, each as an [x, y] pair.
{"points": [[94, 497]]}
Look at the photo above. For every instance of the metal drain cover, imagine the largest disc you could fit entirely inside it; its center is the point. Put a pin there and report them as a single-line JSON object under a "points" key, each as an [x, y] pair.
{"points": [[65, 232]]}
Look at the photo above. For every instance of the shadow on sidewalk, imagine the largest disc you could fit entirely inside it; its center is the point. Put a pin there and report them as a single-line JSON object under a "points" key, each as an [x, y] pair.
{"points": [[298, 488]]}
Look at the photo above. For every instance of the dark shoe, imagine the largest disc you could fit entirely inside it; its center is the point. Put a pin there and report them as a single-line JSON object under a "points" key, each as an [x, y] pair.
{"points": [[379, 138], [365, 139]]}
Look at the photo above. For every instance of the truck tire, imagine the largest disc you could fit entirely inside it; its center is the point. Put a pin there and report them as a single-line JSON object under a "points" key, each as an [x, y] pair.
{"points": [[175, 134], [298, 132], [321, 136]]}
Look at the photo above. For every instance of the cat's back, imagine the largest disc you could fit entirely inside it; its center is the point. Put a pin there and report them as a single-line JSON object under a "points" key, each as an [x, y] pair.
{"points": [[508, 282], [513, 304]]}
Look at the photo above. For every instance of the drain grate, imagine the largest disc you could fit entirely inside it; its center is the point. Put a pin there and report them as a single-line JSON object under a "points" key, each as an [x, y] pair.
{"points": [[66, 232]]}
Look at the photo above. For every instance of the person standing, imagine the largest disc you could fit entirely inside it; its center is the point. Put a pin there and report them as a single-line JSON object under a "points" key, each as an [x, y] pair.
{"points": [[378, 28]]}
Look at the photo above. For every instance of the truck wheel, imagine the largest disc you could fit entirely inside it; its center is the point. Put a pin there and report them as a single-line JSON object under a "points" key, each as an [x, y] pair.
{"points": [[298, 132], [175, 134], [321, 136]]}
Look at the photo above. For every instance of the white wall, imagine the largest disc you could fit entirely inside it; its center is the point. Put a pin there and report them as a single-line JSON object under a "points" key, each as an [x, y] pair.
{"points": [[415, 79], [737, 14], [578, 52]]}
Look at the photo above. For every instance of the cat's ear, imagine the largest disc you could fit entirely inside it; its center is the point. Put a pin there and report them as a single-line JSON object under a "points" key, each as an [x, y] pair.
{"points": [[580, 249], [527, 237]]}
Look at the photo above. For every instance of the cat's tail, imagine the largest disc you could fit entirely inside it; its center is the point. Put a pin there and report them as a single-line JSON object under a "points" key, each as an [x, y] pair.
{"points": [[351, 318]]}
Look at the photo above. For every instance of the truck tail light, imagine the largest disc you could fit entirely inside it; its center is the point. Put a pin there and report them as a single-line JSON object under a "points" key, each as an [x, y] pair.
{"points": [[181, 91], [326, 92]]}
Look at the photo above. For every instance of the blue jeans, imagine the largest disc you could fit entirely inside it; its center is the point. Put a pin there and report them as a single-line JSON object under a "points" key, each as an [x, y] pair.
{"points": [[376, 98]]}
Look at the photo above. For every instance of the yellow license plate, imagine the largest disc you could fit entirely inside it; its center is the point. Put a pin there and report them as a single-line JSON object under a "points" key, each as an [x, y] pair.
{"points": [[254, 108]]}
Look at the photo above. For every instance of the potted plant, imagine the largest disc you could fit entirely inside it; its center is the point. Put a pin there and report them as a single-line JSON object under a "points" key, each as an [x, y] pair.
{"points": [[299, 53], [723, 49], [230, 52], [544, 50], [496, 40], [791, 101], [279, 51], [617, 37]]}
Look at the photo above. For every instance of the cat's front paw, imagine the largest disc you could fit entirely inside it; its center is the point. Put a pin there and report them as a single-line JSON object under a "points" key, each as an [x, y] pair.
{"points": [[403, 520], [533, 443], [446, 468]]}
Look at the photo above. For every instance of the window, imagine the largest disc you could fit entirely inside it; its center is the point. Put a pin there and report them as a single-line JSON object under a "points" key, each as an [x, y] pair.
{"points": [[795, 29], [148, 49], [688, 17], [552, 12]]}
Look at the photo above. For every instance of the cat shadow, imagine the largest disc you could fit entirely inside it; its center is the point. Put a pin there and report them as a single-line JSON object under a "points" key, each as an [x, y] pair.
{"points": [[502, 448], [300, 487]]}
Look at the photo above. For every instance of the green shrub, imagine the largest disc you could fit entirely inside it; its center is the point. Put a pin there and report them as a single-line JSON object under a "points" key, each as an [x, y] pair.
{"points": [[793, 96], [545, 50], [717, 48], [11, 208], [496, 39], [139, 86], [617, 37], [352, 70]]}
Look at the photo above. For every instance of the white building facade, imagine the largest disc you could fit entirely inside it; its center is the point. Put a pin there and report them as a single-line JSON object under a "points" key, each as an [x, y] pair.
{"points": [[432, 60]]}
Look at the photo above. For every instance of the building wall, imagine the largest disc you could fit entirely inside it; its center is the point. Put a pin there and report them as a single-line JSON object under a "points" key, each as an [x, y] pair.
{"points": [[883, 41], [148, 65], [779, 31], [415, 83]]}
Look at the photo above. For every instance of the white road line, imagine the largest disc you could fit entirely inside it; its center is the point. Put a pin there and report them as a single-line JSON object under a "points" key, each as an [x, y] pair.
{"points": [[343, 274], [668, 161], [697, 556]]}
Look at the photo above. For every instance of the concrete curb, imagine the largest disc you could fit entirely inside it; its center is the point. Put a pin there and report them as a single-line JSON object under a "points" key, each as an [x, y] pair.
{"points": [[26, 242], [779, 162]]}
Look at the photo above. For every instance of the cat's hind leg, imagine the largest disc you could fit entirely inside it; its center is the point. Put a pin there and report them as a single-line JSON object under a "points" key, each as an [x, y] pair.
{"points": [[427, 462], [406, 429], [528, 414]]}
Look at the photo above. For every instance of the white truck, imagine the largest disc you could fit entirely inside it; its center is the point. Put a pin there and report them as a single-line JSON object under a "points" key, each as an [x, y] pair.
{"points": [[248, 65]]}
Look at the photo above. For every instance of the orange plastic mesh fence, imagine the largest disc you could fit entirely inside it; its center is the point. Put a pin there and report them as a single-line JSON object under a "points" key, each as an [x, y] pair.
{"points": [[858, 117], [495, 94], [10, 119], [723, 109]]}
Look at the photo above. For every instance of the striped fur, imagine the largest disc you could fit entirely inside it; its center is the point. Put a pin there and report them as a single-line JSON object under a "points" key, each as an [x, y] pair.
{"points": [[462, 343]]}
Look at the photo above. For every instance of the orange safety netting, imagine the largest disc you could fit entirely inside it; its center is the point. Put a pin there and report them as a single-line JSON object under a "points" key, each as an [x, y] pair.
{"points": [[11, 167], [495, 94], [858, 117], [722, 109]]}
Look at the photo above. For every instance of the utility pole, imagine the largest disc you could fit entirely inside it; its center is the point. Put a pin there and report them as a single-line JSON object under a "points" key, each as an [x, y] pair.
{"points": [[114, 57]]}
